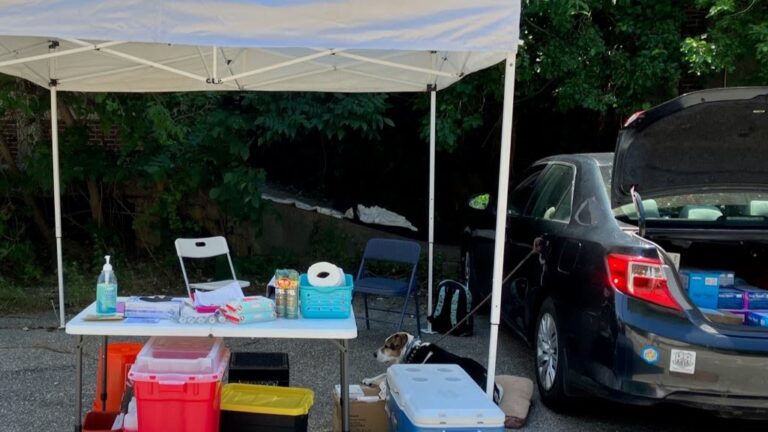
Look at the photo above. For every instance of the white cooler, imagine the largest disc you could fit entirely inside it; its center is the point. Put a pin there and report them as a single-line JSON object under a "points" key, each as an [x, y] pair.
{"points": [[434, 397]]}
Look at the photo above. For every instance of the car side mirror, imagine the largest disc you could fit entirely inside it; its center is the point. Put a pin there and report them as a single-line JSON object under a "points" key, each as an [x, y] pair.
{"points": [[480, 201]]}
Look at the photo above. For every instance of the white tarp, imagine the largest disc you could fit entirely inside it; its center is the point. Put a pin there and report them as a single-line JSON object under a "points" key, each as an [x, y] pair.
{"points": [[301, 45]]}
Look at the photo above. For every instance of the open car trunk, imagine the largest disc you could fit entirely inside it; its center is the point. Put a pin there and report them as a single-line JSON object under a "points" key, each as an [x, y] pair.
{"points": [[733, 271]]}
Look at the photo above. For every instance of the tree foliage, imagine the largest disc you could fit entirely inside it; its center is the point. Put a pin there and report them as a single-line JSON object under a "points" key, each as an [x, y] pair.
{"points": [[735, 41]]}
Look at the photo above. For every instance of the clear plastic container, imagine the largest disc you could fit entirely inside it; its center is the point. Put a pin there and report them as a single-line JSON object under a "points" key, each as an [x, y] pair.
{"points": [[179, 356]]}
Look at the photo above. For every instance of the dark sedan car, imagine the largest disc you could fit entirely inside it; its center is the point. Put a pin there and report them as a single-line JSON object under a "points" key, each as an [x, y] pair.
{"points": [[603, 304]]}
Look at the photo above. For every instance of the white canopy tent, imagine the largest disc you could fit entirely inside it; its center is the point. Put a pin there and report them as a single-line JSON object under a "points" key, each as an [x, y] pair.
{"points": [[266, 45]]}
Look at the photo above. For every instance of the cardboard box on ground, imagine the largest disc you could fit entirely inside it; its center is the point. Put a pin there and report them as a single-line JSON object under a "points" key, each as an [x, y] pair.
{"points": [[364, 416]]}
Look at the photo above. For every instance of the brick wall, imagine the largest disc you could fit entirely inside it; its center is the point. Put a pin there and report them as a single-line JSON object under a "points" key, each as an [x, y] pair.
{"points": [[96, 136]]}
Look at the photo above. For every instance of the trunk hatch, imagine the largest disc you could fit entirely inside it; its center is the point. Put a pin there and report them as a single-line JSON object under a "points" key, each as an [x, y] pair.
{"points": [[707, 141]]}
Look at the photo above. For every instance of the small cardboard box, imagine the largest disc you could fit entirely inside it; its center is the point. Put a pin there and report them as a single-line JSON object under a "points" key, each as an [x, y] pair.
{"points": [[364, 416]]}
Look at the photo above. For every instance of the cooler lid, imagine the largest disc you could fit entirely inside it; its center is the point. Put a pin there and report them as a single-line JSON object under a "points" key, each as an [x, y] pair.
{"points": [[441, 394], [260, 399]]}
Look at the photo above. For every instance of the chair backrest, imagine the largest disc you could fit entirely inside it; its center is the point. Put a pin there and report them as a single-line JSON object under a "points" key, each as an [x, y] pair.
{"points": [[201, 247], [401, 251], [208, 247]]}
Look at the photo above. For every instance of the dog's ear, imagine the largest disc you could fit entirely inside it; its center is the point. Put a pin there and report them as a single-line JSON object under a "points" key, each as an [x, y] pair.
{"points": [[401, 339]]}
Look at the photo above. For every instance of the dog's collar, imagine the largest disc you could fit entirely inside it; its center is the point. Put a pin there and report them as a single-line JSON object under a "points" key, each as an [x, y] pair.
{"points": [[411, 348]]}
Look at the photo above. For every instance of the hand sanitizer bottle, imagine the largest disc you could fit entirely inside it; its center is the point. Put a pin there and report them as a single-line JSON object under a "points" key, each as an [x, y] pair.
{"points": [[106, 290]]}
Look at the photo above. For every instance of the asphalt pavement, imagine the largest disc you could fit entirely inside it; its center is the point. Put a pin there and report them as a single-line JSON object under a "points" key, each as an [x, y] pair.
{"points": [[38, 367]]}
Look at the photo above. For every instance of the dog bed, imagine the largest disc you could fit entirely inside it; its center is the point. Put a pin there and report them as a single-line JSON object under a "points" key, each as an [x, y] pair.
{"points": [[516, 401]]}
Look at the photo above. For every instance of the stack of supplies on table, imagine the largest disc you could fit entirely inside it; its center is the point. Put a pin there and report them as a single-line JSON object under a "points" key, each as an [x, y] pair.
{"points": [[250, 309], [157, 307]]}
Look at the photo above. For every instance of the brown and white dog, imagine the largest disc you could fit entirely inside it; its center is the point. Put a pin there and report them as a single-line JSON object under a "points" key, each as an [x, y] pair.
{"points": [[403, 347]]}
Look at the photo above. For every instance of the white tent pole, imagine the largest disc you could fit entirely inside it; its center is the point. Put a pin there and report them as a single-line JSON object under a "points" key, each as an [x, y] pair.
{"points": [[501, 216], [57, 191], [215, 66], [432, 121]]}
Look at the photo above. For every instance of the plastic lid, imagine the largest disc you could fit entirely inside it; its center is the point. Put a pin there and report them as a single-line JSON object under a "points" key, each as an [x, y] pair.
{"points": [[173, 358], [259, 399], [107, 267], [441, 394]]}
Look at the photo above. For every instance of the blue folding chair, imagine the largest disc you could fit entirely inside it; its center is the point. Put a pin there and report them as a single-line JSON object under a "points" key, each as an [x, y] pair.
{"points": [[393, 251]]}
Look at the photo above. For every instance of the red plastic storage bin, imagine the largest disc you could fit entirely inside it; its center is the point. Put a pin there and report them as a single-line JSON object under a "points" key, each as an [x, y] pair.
{"points": [[183, 401], [120, 357]]}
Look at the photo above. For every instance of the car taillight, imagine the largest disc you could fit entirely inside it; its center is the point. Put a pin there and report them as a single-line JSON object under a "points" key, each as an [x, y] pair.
{"points": [[642, 278]]}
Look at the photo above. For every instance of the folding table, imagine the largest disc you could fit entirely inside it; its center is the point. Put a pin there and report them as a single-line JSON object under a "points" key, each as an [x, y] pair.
{"points": [[339, 331]]}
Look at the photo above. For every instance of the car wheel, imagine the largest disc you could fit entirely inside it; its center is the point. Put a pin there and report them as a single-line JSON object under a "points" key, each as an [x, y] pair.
{"points": [[549, 356]]}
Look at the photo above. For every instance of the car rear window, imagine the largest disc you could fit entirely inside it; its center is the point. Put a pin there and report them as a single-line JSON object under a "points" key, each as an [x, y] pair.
{"points": [[606, 171], [732, 208]]}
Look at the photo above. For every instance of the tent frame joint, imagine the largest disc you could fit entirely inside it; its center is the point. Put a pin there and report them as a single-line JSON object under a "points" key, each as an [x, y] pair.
{"points": [[53, 44], [53, 82], [431, 87]]}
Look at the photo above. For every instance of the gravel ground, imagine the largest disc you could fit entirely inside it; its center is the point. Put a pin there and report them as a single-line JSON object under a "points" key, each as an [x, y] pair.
{"points": [[37, 379]]}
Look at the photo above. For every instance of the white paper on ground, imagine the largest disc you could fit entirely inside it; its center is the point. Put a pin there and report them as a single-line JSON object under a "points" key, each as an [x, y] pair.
{"points": [[381, 216], [219, 297]]}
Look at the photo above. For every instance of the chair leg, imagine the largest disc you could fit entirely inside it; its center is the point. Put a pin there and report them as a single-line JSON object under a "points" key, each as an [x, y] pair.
{"points": [[418, 319], [402, 314], [365, 302]]}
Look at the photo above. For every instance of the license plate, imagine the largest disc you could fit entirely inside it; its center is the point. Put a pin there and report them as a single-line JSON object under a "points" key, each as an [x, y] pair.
{"points": [[682, 361]]}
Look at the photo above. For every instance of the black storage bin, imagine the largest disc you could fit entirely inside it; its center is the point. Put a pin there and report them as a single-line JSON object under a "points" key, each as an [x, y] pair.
{"points": [[259, 368], [234, 421]]}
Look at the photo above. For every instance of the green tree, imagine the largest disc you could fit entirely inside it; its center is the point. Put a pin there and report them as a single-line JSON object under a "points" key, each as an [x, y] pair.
{"points": [[735, 43]]}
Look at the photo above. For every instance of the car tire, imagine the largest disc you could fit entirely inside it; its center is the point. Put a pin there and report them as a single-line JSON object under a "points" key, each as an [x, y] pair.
{"points": [[549, 356]]}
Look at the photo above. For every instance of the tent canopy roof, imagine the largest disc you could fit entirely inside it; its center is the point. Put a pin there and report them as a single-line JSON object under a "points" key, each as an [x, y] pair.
{"points": [[270, 45]]}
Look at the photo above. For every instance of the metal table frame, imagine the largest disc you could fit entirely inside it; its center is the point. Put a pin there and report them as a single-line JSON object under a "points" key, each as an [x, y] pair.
{"points": [[338, 331]]}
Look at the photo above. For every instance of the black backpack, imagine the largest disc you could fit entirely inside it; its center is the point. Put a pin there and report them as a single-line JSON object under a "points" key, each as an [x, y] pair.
{"points": [[454, 302]]}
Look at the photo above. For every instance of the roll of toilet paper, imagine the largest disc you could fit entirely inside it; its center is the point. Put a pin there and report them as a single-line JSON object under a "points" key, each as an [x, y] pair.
{"points": [[325, 274]]}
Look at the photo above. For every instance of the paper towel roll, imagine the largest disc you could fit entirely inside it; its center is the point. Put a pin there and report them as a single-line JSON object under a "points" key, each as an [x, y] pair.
{"points": [[325, 274]]}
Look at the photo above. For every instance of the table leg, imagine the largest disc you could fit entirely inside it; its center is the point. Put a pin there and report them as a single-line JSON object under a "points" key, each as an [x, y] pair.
{"points": [[344, 385], [104, 346], [79, 384]]}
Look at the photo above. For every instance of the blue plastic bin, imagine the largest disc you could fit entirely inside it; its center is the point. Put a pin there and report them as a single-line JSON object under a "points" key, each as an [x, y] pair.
{"points": [[325, 302]]}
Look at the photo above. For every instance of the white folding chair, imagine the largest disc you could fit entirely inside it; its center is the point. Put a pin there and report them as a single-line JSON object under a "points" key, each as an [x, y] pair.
{"points": [[205, 248]]}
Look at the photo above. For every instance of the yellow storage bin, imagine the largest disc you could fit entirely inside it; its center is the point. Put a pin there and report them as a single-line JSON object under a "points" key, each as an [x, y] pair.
{"points": [[258, 407]]}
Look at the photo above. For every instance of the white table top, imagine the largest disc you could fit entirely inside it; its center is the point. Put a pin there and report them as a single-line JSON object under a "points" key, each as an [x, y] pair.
{"points": [[303, 328]]}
